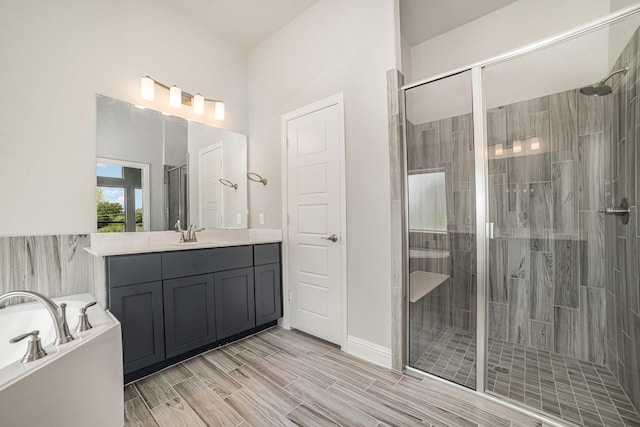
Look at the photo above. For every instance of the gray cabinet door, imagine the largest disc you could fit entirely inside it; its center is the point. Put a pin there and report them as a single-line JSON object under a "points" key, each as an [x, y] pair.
{"points": [[268, 293], [189, 313], [139, 310], [234, 298]]}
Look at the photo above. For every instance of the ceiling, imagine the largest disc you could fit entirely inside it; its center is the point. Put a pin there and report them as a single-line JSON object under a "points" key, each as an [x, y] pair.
{"points": [[421, 20], [244, 22]]}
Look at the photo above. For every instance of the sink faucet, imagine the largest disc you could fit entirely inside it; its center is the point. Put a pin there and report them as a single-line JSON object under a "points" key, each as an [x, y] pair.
{"points": [[191, 234], [57, 312]]}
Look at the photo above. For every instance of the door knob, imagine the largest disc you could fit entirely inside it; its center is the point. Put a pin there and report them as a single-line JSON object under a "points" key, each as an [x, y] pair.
{"points": [[333, 237]]}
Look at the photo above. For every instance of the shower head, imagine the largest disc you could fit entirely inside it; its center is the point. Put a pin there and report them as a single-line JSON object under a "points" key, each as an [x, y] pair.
{"points": [[600, 88]]}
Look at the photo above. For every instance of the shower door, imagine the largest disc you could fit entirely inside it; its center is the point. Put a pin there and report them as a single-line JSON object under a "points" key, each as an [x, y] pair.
{"points": [[562, 309], [441, 229], [522, 236]]}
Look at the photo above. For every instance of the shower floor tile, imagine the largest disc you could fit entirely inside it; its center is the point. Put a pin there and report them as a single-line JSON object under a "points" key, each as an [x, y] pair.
{"points": [[575, 390]]}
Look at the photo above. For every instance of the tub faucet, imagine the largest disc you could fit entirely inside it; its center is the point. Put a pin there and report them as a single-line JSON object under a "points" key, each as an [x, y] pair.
{"points": [[57, 312]]}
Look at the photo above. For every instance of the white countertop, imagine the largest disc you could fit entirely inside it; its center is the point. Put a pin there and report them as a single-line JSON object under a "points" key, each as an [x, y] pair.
{"points": [[109, 244]]}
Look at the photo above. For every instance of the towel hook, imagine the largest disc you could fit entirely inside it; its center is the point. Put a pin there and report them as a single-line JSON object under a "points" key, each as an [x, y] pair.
{"points": [[228, 183], [256, 178]]}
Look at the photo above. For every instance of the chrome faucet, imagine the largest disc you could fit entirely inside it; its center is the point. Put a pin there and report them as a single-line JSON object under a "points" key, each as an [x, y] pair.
{"points": [[57, 312]]}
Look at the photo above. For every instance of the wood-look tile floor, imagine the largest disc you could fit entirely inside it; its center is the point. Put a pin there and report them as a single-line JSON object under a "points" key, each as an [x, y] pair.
{"points": [[286, 378]]}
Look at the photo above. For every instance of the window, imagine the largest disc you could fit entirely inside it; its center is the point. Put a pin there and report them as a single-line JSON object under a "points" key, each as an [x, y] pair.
{"points": [[119, 198], [427, 201]]}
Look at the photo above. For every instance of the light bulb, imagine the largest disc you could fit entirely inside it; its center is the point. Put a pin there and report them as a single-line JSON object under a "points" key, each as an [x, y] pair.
{"points": [[198, 104], [219, 110], [499, 150], [535, 143], [175, 96], [517, 146], [147, 86]]}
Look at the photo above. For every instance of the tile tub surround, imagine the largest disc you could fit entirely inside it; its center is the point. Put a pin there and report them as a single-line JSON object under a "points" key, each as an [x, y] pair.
{"points": [[281, 377], [577, 391], [52, 265]]}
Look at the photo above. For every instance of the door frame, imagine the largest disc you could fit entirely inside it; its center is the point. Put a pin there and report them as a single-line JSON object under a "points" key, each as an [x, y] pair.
{"points": [[201, 151], [337, 99]]}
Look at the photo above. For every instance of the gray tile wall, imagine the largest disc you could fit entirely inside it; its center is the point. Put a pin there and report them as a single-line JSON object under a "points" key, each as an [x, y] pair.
{"points": [[619, 250], [53, 265]]}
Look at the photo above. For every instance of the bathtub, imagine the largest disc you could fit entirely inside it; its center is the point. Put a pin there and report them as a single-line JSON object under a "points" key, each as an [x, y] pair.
{"points": [[76, 384]]}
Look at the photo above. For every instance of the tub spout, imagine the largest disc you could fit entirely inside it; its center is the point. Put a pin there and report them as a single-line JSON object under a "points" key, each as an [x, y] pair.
{"points": [[57, 312]]}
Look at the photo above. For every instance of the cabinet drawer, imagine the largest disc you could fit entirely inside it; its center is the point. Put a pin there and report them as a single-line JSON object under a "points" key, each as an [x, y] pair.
{"points": [[129, 269], [266, 254], [202, 261]]}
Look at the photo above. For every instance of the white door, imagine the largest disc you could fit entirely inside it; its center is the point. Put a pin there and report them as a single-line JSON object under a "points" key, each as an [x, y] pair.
{"points": [[210, 171], [314, 215]]}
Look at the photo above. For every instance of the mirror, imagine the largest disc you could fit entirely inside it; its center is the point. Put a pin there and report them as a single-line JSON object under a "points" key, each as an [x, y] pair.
{"points": [[155, 169]]}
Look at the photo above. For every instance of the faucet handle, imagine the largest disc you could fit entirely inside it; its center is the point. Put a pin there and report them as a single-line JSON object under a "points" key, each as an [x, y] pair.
{"points": [[34, 348], [83, 319], [23, 336], [84, 309]]}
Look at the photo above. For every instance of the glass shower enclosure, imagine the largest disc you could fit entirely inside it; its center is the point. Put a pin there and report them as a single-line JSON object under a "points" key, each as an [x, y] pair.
{"points": [[522, 237]]}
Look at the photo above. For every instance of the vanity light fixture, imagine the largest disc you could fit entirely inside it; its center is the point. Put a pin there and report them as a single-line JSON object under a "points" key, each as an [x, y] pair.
{"points": [[535, 143], [177, 97], [147, 88], [517, 146], [198, 104], [499, 150]]}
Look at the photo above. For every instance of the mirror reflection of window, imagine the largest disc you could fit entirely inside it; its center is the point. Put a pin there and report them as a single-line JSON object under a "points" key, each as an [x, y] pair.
{"points": [[427, 201], [119, 198]]}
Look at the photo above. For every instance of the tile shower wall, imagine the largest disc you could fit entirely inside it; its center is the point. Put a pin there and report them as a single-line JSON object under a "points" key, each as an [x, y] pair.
{"points": [[445, 145], [620, 247], [52, 265]]}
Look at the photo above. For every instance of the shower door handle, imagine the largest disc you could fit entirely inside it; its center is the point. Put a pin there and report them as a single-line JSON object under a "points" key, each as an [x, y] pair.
{"points": [[622, 211]]}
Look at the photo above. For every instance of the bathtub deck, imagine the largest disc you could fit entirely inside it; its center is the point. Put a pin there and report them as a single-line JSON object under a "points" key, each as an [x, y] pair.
{"points": [[281, 377]]}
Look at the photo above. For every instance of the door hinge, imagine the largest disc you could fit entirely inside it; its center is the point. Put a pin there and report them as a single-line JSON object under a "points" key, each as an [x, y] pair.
{"points": [[289, 295], [288, 219]]}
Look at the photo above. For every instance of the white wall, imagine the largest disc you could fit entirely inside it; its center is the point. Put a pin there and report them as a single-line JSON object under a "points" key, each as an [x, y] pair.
{"points": [[515, 25], [569, 65], [335, 46], [56, 56]]}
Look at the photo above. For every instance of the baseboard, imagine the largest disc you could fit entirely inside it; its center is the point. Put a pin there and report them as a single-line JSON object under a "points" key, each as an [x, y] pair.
{"points": [[369, 351]]}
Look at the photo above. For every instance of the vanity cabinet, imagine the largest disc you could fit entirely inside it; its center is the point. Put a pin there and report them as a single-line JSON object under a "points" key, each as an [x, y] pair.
{"points": [[235, 303], [268, 293], [268, 285], [189, 313], [174, 304], [135, 298], [138, 307]]}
